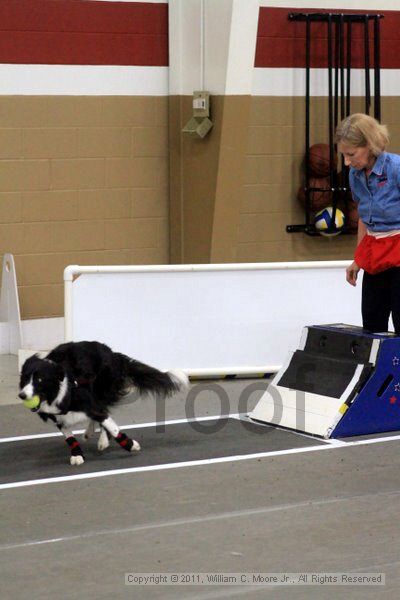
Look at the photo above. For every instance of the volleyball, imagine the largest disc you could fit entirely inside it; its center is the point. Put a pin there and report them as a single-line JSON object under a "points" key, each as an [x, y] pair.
{"points": [[325, 224]]}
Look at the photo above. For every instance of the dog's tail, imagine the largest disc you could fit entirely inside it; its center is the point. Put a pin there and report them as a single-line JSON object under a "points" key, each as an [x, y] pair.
{"points": [[147, 379]]}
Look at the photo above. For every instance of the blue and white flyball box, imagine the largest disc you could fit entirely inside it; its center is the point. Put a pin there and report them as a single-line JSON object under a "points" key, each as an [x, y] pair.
{"points": [[340, 382]]}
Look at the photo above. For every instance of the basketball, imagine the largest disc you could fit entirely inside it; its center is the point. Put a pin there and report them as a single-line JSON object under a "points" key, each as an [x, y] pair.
{"points": [[324, 223], [319, 160], [351, 212], [318, 199]]}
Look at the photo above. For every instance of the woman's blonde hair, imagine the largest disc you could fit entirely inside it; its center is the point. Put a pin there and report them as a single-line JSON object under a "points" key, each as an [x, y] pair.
{"points": [[359, 130]]}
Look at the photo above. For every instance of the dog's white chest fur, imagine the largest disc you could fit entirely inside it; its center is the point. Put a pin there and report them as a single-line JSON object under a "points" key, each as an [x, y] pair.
{"points": [[71, 419]]}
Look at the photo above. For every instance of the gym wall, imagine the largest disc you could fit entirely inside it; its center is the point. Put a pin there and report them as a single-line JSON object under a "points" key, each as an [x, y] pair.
{"points": [[275, 159], [233, 193], [83, 139], [94, 168]]}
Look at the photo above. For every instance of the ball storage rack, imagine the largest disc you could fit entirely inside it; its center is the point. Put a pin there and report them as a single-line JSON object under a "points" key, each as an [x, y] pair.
{"points": [[340, 29]]}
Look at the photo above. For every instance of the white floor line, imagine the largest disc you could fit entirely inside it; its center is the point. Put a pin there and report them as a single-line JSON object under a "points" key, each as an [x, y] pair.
{"points": [[193, 463], [202, 519], [237, 416], [38, 436], [334, 442], [288, 430]]}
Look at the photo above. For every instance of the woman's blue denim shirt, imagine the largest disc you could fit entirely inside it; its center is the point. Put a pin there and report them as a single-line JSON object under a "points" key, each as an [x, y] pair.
{"points": [[378, 198]]}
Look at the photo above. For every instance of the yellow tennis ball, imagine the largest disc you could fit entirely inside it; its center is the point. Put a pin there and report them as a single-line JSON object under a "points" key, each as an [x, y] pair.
{"points": [[32, 402]]}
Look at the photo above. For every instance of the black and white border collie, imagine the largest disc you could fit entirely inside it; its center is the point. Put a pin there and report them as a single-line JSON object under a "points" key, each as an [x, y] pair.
{"points": [[78, 382]]}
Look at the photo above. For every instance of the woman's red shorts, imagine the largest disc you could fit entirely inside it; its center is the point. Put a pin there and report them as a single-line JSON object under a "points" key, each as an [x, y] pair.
{"points": [[378, 254]]}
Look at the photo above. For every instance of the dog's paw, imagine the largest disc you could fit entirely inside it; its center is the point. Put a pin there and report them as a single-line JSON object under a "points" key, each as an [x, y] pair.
{"points": [[77, 460], [135, 446], [103, 442]]}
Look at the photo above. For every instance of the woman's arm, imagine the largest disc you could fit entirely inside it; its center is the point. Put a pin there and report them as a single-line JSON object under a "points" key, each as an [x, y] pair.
{"points": [[353, 270]]}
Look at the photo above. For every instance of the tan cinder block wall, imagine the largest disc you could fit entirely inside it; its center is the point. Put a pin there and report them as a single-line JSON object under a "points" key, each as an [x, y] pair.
{"points": [[83, 180], [274, 172], [194, 165], [233, 193], [206, 181]]}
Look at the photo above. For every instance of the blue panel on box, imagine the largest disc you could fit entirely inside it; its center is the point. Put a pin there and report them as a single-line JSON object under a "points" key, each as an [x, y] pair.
{"points": [[376, 408], [353, 374]]}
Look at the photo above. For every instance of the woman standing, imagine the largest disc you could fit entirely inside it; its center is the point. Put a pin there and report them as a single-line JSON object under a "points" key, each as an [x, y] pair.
{"points": [[374, 179]]}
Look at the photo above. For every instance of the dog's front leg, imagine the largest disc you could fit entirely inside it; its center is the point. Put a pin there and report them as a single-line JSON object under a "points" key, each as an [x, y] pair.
{"points": [[76, 451], [123, 440], [90, 430], [103, 441]]}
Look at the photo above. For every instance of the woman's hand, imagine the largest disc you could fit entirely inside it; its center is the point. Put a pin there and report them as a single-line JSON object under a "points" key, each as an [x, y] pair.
{"points": [[352, 273]]}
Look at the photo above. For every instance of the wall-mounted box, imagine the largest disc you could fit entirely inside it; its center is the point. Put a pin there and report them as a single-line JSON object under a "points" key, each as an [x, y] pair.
{"points": [[201, 104], [200, 124]]}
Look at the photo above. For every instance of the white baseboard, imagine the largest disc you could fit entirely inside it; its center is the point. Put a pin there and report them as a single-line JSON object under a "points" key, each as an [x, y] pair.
{"points": [[4, 338], [42, 334]]}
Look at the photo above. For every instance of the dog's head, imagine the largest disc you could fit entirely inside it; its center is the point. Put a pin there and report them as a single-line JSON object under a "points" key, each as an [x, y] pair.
{"points": [[43, 378]]}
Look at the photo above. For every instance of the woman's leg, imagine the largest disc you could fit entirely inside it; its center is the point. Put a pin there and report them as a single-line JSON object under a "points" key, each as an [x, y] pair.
{"points": [[376, 301], [395, 299]]}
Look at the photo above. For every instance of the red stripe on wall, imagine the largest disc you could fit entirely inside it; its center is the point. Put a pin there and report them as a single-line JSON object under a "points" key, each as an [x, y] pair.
{"points": [[82, 32], [281, 43]]}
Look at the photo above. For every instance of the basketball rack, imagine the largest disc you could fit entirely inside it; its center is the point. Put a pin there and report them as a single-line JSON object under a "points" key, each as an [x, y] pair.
{"points": [[340, 50]]}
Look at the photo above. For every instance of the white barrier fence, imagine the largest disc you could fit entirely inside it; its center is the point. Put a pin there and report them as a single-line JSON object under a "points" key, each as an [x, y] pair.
{"points": [[207, 319], [10, 319]]}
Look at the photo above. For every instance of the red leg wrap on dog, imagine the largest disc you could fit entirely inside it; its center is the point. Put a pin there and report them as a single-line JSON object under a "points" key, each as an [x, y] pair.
{"points": [[73, 443], [124, 441]]}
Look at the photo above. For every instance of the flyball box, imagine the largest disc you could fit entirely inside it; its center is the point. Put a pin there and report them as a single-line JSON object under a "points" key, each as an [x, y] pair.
{"points": [[340, 382]]}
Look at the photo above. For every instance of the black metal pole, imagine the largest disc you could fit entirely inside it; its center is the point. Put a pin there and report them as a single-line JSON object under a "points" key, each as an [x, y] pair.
{"points": [[330, 102], [307, 132], [337, 61], [341, 62], [366, 60], [377, 69], [330, 113], [342, 179], [348, 66]]}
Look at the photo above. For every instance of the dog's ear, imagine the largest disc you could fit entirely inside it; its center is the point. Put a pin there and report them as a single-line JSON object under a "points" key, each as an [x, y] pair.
{"points": [[29, 362], [31, 359]]}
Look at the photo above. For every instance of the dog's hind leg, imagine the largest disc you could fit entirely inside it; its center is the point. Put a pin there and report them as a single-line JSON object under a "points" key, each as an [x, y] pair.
{"points": [[123, 440], [76, 450], [104, 441], [90, 430]]}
